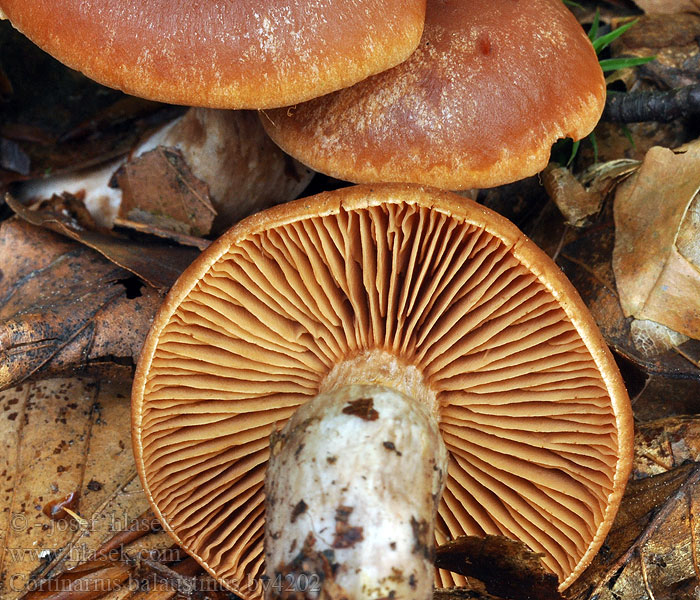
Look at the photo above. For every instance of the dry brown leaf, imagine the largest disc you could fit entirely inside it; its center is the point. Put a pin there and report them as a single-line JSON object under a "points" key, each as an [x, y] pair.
{"points": [[158, 264], [668, 6], [657, 277], [651, 551], [507, 568], [64, 308], [665, 444], [70, 437], [585, 255], [62, 437], [571, 198], [578, 199], [159, 189]]}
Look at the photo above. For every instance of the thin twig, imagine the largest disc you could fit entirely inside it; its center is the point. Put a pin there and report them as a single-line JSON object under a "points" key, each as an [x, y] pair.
{"points": [[645, 576], [693, 535], [659, 106]]}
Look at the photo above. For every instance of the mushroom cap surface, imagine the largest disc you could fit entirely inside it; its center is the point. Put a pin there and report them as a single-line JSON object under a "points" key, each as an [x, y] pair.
{"points": [[223, 54], [490, 88], [528, 398]]}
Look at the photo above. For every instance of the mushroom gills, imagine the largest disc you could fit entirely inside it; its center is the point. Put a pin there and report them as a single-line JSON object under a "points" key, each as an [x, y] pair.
{"points": [[353, 486], [412, 289]]}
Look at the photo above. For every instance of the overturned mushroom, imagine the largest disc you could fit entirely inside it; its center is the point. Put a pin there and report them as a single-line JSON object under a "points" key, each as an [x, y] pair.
{"points": [[393, 312], [490, 88], [243, 54]]}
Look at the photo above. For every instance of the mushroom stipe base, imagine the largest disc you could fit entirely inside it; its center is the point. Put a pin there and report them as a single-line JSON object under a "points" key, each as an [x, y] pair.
{"points": [[527, 397]]}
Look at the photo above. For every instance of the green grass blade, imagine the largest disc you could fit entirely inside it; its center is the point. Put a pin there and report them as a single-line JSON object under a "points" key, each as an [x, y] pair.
{"points": [[613, 64], [602, 42], [593, 31], [574, 152]]}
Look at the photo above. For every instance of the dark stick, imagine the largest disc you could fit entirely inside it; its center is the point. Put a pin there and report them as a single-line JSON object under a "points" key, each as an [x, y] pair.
{"points": [[661, 106]]}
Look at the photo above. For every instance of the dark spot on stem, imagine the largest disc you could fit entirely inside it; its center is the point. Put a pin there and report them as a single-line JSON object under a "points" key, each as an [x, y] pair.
{"points": [[363, 408], [299, 509], [421, 542], [346, 536], [391, 447], [291, 581]]}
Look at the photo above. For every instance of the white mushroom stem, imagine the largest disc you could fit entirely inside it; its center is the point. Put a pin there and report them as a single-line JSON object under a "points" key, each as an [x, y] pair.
{"points": [[227, 150], [352, 489], [101, 200]]}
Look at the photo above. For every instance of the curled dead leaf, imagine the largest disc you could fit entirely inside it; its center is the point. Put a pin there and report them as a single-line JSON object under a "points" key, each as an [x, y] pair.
{"points": [[579, 198], [230, 151], [657, 229], [571, 198], [158, 264]]}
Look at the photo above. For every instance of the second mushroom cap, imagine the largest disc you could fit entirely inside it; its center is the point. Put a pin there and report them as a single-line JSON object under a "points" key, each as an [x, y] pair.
{"points": [[490, 88]]}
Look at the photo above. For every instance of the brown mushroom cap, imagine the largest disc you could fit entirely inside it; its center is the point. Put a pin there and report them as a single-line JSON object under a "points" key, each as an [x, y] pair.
{"points": [[242, 54], [491, 87], [528, 397]]}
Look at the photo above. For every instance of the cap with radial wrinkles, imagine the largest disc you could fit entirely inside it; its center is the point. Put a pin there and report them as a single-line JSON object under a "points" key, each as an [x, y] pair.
{"points": [[223, 54], [490, 88], [528, 398]]}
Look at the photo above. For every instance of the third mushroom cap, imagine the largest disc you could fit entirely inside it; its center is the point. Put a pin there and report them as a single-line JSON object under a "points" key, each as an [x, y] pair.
{"points": [[423, 342]]}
